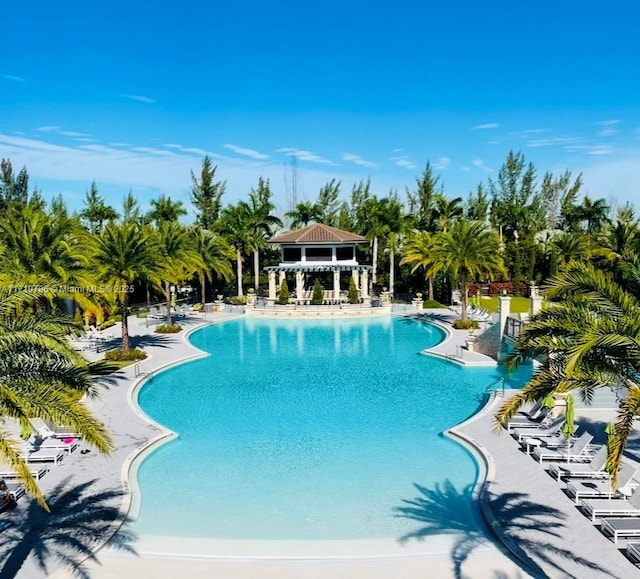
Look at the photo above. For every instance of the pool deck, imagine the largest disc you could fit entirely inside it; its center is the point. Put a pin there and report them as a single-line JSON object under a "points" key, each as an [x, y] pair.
{"points": [[89, 491]]}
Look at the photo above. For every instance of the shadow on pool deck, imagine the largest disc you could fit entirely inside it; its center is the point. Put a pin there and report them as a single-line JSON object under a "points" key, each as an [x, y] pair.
{"points": [[444, 510], [67, 535]]}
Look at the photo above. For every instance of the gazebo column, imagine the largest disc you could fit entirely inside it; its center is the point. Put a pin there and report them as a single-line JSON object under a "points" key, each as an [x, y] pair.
{"points": [[356, 278], [364, 285], [336, 284], [299, 285], [282, 276], [272, 285]]}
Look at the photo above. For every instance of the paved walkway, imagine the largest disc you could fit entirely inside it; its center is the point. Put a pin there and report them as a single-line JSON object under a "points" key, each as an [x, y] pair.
{"points": [[532, 512]]}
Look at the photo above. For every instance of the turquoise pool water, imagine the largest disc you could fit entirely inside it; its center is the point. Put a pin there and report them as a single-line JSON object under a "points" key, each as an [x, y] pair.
{"points": [[306, 430]]}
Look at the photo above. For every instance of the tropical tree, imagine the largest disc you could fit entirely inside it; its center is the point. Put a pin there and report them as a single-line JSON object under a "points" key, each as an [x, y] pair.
{"points": [[41, 376], [261, 222], [327, 203], [446, 211], [570, 247], [124, 253], [303, 214], [469, 250], [165, 209], [422, 200], [587, 337], [14, 189], [178, 258], [235, 226], [96, 212], [215, 256], [418, 253], [206, 194]]}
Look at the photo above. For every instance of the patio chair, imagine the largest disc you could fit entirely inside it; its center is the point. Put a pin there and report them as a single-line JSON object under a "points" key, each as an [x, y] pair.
{"points": [[531, 417], [43, 455], [36, 473], [597, 508], [633, 552], [545, 428], [602, 488], [628, 527], [578, 450], [592, 469]]}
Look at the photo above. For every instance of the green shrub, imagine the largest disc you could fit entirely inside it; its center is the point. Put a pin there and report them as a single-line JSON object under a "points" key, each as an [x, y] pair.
{"points": [[108, 324], [467, 325], [120, 356], [317, 298], [198, 307], [168, 329], [142, 313], [237, 300], [283, 298], [432, 304], [353, 297]]}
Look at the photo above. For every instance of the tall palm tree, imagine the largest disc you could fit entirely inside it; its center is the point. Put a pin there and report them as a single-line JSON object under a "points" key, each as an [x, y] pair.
{"points": [[125, 253], [304, 213], [215, 256], [447, 210], [235, 225], [588, 337], [469, 250], [178, 258], [261, 223], [165, 209], [570, 247], [41, 376], [418, 252]]}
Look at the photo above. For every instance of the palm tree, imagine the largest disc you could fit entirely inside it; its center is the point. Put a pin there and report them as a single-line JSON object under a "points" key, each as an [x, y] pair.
{"points": [[304, 213], [447, 210], [125, 253], [418, 252], [41, 377], [587, 338], [178, 257], [261, 223], [165, 209], [570, 247], [469, 250], [215, 255], [235, 225]]}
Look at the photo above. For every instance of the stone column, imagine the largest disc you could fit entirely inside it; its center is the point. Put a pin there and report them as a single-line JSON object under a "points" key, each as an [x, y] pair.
{"points": [[356, 278], [364, 284], [336, 285], [299, 285], [536, 301], [504, 310], [273, 292], [281, 277]]}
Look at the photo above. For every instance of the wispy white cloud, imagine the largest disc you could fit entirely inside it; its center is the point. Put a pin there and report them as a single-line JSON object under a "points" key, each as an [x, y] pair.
{"points": [[172, 146], [48, 129], [479, 164], [608, 123], [555, 141], [485, 126], [12, 78], [246, 152], [139, 98], [59, 131], [527, 132], [304, 155], [358, 160], [441, 163], [403, 162], [152, 151], [493, 142]]}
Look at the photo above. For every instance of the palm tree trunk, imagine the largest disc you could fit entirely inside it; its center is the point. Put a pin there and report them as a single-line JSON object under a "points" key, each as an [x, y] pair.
{"points": [[167, 294], [392, 280], [256, 269], [148, 295], [239, 272], [203, 288], [430, 290], [463, 297], [375, 261], [125, 323]]}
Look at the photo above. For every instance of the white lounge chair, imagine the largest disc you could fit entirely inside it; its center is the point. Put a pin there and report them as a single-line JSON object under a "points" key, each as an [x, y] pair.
{"points": [[628, 527], [44, 455], [633, 552], [577, 451], [36, 473], [597, 508], [602, 488], [546, 428], [592, 469], [526, 418]]}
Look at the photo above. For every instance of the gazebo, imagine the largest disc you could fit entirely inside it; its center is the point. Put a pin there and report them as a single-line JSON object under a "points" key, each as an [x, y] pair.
{"points": [[318, 249]]}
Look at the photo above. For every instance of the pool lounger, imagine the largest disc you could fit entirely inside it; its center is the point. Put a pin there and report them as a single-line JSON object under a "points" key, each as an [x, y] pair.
{"points": [[621, 528], [593, 469], [630, 507], [601, 488], [578, 451], [44, 455], [37, 473], [633, 552], [537, 430]]}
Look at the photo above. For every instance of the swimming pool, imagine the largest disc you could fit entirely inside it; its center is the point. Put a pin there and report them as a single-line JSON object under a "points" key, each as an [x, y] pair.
{"points": [[304, 429]]}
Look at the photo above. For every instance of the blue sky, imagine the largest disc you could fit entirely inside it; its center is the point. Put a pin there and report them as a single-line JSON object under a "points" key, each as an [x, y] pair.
{"points": [[133, 94]]}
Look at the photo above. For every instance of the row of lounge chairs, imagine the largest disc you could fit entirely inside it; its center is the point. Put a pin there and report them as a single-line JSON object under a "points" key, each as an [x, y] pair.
{"points": [[582, 467], [160, 312], [48, 447]]}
